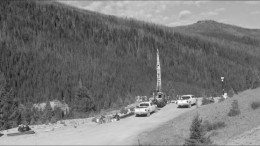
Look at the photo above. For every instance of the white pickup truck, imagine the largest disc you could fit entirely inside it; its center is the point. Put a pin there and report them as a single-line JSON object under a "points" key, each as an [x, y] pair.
{"points": [[145, 108], [186, 100]]}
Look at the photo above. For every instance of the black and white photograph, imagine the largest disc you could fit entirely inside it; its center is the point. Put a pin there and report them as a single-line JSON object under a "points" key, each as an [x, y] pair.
{"points": [[129, 72]]}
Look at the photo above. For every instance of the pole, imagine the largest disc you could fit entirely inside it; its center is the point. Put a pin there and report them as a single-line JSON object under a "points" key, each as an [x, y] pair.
{"points": [[222, 80], [223, 87]]}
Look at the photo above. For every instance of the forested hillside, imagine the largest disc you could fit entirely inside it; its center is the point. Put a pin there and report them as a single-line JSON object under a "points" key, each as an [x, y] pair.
{"points": [[52, 51]]}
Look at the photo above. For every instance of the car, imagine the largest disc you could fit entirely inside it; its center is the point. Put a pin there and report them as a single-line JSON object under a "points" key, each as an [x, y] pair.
{"points": [[173, 101], [145, 108], [187, 100]]}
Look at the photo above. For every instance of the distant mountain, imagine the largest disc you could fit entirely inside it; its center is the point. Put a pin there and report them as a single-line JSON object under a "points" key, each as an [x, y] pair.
{"points": [[51, 51], [224, 32]]}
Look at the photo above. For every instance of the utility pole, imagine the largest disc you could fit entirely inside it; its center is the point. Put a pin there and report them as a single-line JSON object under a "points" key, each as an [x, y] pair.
{"points": [[223, 90], [158, 68]]}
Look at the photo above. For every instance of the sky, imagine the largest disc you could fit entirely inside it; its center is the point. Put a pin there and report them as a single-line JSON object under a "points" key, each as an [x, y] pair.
{"points": [[176, 13]]}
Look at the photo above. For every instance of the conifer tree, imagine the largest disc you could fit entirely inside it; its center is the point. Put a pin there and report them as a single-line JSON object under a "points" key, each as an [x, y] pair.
{"points": [[197, 133], [48, 112]]}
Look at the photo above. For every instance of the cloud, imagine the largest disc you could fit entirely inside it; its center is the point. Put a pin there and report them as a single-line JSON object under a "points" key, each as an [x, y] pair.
{"points": [[94, 6], [220, 9], [214, 12], [223, 20], [165, 18], [252, 2], [198, 3], [211, 13], [255, 12], [184, 14], [180, 23]]}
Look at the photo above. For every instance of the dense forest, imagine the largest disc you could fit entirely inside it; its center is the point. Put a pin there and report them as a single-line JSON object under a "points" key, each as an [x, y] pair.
{"points": [[94, 61]]}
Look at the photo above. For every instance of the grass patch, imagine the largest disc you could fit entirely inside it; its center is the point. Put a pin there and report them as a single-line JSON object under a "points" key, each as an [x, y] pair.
{"points": [[234, 111], [208, 126], [255, 105]]}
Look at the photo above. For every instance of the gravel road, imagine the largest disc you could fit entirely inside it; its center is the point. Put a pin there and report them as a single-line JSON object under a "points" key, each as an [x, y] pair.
{"points": [[123, 132]]}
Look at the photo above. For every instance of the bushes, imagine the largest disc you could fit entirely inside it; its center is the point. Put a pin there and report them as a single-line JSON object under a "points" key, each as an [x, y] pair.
{"points": [[197, 133], [231, 92], [206, 101], [221, 99], [123, 111], [94, 119], [213, 126], [234, 109], [255, 105]]}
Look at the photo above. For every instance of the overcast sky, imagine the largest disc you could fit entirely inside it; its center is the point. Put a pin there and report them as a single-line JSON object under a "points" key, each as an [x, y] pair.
{"points": [[176, 13]]}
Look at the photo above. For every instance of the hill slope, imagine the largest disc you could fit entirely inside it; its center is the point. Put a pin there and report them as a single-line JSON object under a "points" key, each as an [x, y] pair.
{"points": [[49, 51], [177, 130]]}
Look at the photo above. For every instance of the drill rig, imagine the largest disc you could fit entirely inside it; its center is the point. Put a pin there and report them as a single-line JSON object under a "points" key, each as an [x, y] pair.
{"points": [[160, 97]]}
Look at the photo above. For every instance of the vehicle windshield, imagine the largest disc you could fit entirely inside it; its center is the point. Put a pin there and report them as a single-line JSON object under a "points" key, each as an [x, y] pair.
{"points": [[185, 97], [144, 104]]}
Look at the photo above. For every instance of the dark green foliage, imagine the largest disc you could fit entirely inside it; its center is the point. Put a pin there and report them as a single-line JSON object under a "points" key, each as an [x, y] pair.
{"points": [[94, 119], [255, 105], [26, 114], [123, 110], [234, 110], [53, 120], [206, 100], [48, 113], [231, 92], [208, 126], [58, 113], [197, 133], [83, 101], [221, 99]]}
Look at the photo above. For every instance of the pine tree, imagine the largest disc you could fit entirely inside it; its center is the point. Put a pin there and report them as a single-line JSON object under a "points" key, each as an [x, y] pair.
{"points": [[48, 112], [234, 110], [231, 92], [197, 133]]}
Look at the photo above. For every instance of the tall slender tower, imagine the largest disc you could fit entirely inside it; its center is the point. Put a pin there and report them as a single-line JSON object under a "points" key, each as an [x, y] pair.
{"points": [[158, 68]]}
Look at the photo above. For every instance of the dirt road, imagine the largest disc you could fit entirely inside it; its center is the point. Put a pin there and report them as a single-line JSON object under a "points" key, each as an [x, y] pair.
{"points": [[123, 132]]}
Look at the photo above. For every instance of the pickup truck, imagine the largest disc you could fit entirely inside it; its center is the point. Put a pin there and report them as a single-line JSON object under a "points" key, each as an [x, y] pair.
{"points": [[186, 100], [145, 108]]}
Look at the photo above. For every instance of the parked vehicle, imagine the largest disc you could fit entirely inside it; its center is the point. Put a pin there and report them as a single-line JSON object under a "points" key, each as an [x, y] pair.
{"points": [[160, 100], [173, 101], [186, 100], [145, 108]]}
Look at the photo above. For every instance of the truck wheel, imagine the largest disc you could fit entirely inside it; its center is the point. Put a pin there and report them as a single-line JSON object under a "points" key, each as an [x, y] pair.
{"points": [[136, 115], [148, 114]]}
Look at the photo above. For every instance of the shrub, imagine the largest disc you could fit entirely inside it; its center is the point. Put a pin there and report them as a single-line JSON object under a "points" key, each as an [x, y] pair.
{"points": [[221, 99], [123, 111], [132, 109], [231, 92], [53, 120], [205, 101], [32, 121], [197, 133], [62, 122], [234, 109], [255, 105], [213, 126], [94, 119]]}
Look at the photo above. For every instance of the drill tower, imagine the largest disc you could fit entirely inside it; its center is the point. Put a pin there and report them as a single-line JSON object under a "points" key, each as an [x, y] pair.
{"points": [[158, 68]]}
